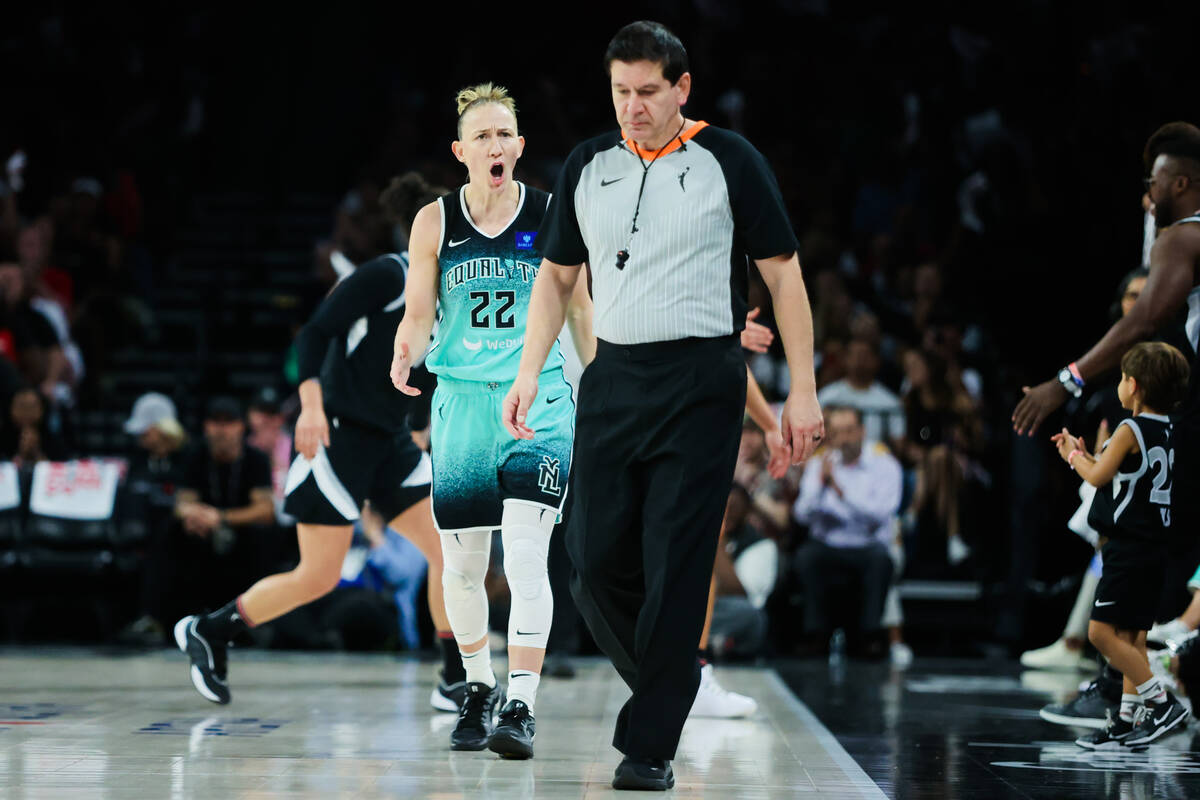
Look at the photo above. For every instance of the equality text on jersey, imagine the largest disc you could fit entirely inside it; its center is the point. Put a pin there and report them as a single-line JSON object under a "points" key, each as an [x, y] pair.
{"points": [[489, 267]]}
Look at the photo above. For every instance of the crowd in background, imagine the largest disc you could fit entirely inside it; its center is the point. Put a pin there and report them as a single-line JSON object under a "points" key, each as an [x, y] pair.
{"points": [[922, 162]]}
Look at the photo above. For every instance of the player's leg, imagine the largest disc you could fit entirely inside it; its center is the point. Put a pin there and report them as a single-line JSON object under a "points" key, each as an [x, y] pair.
{"points": [[713, 699], [205, 638]]}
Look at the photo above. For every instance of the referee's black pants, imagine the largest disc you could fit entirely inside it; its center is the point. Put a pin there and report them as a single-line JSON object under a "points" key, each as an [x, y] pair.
{"points": [[656, 441]]}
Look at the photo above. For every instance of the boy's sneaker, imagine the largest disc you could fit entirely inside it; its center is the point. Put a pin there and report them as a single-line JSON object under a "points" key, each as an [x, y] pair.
{"points": [[1158, 721], [209, 660], [1111, 737], [513, 737], [1089, 709], [475, 718], [448, 697]]}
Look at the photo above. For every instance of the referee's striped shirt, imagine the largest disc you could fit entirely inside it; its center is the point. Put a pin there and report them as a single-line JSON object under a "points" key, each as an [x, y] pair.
{"points": [[710, 202]]}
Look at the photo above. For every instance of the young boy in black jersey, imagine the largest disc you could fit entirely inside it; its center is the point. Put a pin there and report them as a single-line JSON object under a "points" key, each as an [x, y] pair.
{"points": [[1132, 513]]}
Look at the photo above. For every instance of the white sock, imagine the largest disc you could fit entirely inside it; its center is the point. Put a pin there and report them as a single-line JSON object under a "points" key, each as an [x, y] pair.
{"points": [[1152, 692], [479, 666], [523, 686], [1129, 704]]}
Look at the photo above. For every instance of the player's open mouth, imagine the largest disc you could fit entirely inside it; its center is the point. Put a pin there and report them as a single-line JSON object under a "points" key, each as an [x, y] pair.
{"points": [[497, 171]]}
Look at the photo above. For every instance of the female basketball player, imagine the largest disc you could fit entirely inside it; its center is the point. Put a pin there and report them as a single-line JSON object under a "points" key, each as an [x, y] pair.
{"points": [[475, 253]]}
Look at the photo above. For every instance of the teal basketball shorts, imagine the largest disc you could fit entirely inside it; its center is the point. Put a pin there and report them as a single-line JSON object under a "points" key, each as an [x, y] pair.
{"points": [[477, 464]]}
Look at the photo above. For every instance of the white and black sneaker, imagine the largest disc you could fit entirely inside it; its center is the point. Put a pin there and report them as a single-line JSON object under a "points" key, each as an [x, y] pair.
{"points": [[1111, 737], [513, 737], [209, 660], [476, 717], [1158, 720], [448, 697]]}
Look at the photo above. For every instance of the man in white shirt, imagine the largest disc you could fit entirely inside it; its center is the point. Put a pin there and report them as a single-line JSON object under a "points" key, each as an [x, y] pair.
{"points": [[883, 414], [847, 495]]}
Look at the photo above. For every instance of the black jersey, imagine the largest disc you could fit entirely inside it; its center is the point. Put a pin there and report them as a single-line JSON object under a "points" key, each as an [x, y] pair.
{"points": [[348, 345], [1137, 503]]}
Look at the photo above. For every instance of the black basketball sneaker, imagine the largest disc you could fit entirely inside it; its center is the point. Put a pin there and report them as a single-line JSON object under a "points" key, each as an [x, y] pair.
{"points": [[448, 697], [476, 717], [209, 660], [1157, 721], [1090, 708], [1111, 737], [513, 737]]}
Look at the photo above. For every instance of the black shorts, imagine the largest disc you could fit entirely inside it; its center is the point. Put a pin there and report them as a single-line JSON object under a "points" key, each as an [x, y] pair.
{"points": [[361, 463], [1131, 582]]}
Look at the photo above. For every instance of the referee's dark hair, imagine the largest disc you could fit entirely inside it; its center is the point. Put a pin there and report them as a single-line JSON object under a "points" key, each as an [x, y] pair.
{"points": [[1161, 373], [1180, 140], [648, 41]]}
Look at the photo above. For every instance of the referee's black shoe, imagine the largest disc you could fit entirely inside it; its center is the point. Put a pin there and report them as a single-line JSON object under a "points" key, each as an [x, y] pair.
{"points": [[476, 717], [1091, 708], [647, 774], [1157, 721], [209, 660], [513, 737]]}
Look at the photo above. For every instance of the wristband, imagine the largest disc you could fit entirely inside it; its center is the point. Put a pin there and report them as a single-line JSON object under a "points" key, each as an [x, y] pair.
{"points": [[1072, 385], [1075, 376], [1071, 457]]}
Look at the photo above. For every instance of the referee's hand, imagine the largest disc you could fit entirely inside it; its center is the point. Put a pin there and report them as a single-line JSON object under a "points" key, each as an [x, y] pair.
{"points": [[312, 431], [802, 426], [517, 403], [401, 365]]}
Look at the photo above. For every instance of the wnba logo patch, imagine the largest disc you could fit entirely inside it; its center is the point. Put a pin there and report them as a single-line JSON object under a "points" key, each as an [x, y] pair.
{"points": [[525, 239], [548, 480]]}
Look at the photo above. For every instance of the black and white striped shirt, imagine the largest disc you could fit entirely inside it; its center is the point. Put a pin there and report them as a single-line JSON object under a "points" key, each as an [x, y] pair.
{"points": [[710, 202]]}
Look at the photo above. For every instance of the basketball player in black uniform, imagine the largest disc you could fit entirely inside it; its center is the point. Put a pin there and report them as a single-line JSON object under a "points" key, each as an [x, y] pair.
{"points": [[1170, 299], [353, 444], [1132, 513]]}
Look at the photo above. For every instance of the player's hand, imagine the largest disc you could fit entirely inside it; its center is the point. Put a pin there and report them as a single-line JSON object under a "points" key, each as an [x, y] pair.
{"points": [[802, 426], [312, 430], [401, 366], [517, 403], [756, 338], [1038, 403], [780, 455]]}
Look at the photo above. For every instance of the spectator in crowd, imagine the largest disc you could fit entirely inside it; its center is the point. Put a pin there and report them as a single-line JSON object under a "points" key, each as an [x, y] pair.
{"points": [[267, 435], [26, 336], [848, 494], [883, 414], [943, 427], [155, 470], [28, 436], [746, 567], [49, 291], [223, 506]]}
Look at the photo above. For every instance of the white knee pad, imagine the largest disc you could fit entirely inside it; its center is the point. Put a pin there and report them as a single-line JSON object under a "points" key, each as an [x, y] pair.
{"points": [[525, 531], [465, 557]]}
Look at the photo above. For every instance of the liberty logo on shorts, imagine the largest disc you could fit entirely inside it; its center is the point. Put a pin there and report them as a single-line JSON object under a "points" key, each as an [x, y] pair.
{"points": [[525, 239], [548, 476]]}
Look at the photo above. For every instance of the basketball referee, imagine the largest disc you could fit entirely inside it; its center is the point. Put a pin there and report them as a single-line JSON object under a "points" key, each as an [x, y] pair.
{"points": [[667, 214]]}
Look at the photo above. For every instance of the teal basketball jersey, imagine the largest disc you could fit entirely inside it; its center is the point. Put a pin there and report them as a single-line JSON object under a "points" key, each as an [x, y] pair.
{"points": [[484, 286]]}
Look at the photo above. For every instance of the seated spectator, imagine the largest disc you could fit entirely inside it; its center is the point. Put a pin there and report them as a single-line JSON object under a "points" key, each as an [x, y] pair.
{"points": [[49, 291], [746, 568], [155, 470], [883, 414], [267, 435], [943, 428], [223, 506], [27, 436], [26, 336], [847, 496]]}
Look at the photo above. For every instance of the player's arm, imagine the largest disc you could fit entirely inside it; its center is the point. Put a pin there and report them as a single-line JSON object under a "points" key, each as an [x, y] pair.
{"points": [[420, 301], [1174, 256], [802, 426], [552, 291], [1100, 469], [760, 411], [579, 320]]}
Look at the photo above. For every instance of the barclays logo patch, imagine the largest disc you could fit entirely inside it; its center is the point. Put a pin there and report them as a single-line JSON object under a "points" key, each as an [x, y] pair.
{"points": [[525, 239]]}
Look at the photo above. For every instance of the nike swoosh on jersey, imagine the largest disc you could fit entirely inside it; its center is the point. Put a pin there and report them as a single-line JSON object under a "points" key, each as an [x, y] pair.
{"points": [[1102, 605], [453, 243], [609, 183], [555, 400], [472, 346]]}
